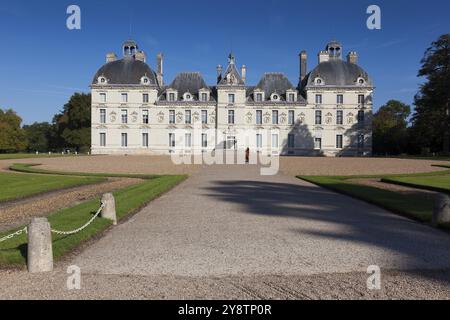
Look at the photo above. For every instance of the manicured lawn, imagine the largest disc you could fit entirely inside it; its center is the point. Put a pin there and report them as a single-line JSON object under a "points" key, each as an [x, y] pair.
{"points": [[32, 155], [16, 186], [128, 201], [417, 207], [31, 168], [434, 183]]}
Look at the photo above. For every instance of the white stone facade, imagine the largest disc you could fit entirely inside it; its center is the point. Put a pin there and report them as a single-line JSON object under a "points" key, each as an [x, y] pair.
{"points": [[329, 114]]}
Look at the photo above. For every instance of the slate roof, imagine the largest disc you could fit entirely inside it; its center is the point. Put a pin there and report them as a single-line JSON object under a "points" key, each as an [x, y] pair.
{"points": [[190, 82]]}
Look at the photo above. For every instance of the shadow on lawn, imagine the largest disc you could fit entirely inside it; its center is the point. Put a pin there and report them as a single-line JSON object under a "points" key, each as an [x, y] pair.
{"points": [[360, 222]]}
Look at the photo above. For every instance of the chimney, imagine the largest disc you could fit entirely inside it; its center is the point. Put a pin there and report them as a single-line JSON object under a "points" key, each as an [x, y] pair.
{"points": [[219, 73], [111, 57], [324, 56], [141, 56], [352, 57], [244, 73], [303, 65], [160, 58]]}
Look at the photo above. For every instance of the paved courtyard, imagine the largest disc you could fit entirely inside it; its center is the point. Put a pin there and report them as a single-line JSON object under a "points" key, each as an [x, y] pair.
{"points": [[228, 232]]}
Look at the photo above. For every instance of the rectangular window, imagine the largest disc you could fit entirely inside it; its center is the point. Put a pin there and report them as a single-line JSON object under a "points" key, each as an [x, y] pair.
{"points": [[188, 117], [230, 116], [188, 140], [172, 140], [145, 140], [318, 117], [172, 97], [124, 140], [204, 116], [291, 97], [340, 99], [259, 97], [102, 139], [145, 117], [171, 116], [361, 117], [102, 115], [259, 117], [231, 98], [291, 118], [318, 99], [259, 141], [361, 99], [275, 117], [124, 116], [102, 97], [318, 143], [275, 141], [204, 140], [291, 141], [361, 141], [204, 97], [340, 117], [145, 98], [124, 97], [339, 141]]}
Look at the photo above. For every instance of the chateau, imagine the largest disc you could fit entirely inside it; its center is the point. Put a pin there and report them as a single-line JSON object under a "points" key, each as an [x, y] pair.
{"points": [[327, 113]]}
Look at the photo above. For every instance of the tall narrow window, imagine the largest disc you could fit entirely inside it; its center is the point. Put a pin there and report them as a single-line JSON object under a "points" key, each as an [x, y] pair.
{"points": [[318, 143], [275, 117], [361, 141], [171, 116], [291, 97], [259, 141], [124, 116], [318, 117], [102, 115], [145, 117], [124, 140], [361, 99], [231, 98], [102, 97], [339, 141], [340, 117], [340, 99], [124, 97], [145, 140], [102, 139], [258, 117], [188, 117], [145, 97], [171, 97], [204, 97], [275, 141], [204, 140], [230, 116], [172, 140], [361, 117], [291, 141], [291, 118], [259, 97], [188, 140], [318, 99], [204, 116]]}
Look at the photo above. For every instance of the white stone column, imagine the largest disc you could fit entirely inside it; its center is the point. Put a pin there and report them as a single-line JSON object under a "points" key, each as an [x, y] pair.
{"points": [[109, 209], [40, 250]]}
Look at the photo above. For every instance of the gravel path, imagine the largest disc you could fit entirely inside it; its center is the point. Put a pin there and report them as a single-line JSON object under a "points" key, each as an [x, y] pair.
{"points": [[18, 213], [392, 187]]}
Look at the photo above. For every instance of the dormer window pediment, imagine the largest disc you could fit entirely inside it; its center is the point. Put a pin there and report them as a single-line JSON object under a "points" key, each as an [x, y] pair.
{"points": [[188, 97], [319, 81], [145, 81], [275, 97], [102, 80]]}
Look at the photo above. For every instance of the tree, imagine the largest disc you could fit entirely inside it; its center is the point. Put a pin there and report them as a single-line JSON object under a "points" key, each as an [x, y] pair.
{"points": [[39, 136], [73, 124], [12, 136], [432, 112], [390, 128]]}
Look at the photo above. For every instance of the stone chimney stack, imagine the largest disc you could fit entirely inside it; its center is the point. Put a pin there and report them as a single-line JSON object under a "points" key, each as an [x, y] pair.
{"points": [[160, 73], [141, 56], [111, 57], [324, 56], [303, 65], [352, 57], [244, 73], [219, 73]]}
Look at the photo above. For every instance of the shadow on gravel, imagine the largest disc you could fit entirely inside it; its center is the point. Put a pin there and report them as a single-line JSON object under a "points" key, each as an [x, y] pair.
{"points": [[359, 221]]}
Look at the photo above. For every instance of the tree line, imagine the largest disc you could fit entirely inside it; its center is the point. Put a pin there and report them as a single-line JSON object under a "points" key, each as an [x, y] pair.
{"points": [[69, 130], [396, 130]]}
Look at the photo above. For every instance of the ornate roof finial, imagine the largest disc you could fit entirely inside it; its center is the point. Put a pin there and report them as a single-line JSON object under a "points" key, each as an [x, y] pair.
{"points": [[231, 58]]}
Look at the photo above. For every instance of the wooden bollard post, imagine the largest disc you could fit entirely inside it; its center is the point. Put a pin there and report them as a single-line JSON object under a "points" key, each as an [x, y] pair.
{"points": [[109, 209], [441, 209], [40, 250]]}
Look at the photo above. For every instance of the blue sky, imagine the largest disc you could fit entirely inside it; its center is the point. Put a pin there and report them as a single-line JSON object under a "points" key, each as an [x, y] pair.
{"points": [[42, 63]]}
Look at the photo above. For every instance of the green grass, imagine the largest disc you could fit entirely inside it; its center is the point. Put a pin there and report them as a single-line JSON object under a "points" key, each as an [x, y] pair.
{"points": [[128, 201], [17, 186], [433, 183], [7, 156], [31, 168]]}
